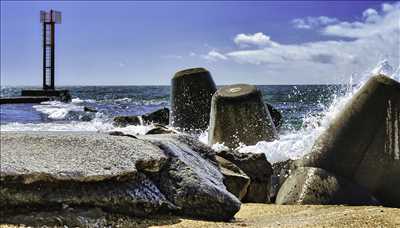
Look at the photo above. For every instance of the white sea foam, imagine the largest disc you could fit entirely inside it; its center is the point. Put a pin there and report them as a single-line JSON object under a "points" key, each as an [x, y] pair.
{"points": [[57, 110], [95, 125], [80, 101]]}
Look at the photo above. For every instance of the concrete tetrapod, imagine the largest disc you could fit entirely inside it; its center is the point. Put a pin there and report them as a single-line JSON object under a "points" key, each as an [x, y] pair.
{"points": [[238, 115], [362, 142], [191, 94], [308, 185]]}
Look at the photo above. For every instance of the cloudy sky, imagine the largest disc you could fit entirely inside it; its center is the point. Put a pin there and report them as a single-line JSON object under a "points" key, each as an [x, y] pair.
{"points": [[145, 43]]}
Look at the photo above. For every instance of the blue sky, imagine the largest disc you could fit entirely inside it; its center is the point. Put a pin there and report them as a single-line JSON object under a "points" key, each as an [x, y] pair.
{"points": [[145, 43]]}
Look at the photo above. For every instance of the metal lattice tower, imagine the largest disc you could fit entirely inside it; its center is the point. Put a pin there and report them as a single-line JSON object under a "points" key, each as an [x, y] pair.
{"points": [[48, 20]]}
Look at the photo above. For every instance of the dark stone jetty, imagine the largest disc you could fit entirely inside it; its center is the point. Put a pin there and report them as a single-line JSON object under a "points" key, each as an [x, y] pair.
{"points": [[191, 93], [22, 100], [37, 96], [239, 115]]}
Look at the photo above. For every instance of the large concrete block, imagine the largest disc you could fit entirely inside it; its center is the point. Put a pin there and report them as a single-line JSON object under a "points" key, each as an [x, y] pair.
{"points": [[238, 115], [191, 94], [362, 142], [317, 186]]}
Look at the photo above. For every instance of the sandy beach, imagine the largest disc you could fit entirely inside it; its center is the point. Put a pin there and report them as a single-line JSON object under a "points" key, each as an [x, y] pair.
{"points": [[270, 215]]}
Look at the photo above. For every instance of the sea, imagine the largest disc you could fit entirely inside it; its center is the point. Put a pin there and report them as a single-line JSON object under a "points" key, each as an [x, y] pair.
{"points": [[307, 111]]}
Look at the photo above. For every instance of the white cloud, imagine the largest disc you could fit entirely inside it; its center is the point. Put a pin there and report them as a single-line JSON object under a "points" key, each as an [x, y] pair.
{"points": [[257, 39], [214, 56], [387, 7], [371, 15], [313, 22], [385, 24], [374, 38]]}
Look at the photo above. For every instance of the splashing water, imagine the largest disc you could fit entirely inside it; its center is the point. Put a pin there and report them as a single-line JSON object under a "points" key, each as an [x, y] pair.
{"points": [[295, 144]]}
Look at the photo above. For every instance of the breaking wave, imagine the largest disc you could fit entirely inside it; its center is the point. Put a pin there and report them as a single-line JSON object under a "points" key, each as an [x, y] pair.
{"points": [[295, 144]]}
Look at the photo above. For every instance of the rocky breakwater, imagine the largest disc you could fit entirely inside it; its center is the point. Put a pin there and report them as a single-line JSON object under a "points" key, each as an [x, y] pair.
{"points": [[156, 174], [160, 116], [357, 154]]}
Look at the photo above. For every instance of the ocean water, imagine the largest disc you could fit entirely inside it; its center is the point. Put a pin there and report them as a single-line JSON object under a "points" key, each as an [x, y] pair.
{"points": [[306, 109]]}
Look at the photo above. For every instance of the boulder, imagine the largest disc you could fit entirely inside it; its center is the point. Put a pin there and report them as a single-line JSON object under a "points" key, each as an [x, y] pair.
{"points": [[362, 142], [44, 171], [192, 180], [191, 93], [317, 186], [160, 116], [258, 169], [123, 121], [235, 180], [160, 129], [281, 171], [239, 116]]}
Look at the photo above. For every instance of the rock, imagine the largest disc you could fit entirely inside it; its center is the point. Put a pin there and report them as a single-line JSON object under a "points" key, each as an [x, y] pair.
{"points": [[362, 142], [275, 115], [159, 129], [137, 196], [88, 109], [317, 186], [160, 116], [192, 180], [191, 93], [45, 169], [258, 169], [235, 180], [155, 174], [120, 133], [123, 121], [238, 115], [281, 171]]}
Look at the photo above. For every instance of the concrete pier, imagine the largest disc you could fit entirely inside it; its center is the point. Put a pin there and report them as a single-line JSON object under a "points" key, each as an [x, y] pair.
{"points": [[191, 94], [239, 115]]}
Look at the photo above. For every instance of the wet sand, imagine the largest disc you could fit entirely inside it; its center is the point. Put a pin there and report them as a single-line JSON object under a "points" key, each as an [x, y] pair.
{"points": [[270, 215]]}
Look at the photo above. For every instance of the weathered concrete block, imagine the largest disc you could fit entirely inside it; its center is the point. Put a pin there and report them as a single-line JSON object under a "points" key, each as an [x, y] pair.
{"points": [[191, 93], [238, 115], [362, 142], [317, 186]]}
